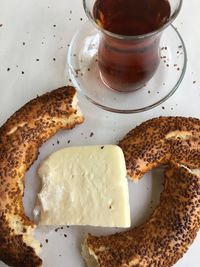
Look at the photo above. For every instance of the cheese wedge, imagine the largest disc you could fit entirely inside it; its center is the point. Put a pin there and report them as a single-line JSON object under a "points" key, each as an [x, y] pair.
{"points": [[85, 185]]}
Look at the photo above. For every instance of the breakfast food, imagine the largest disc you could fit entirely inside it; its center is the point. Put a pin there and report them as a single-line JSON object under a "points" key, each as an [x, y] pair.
{"points": [[174, 224], [88, 184], [20, 139], [160, 141], [164, 238]]}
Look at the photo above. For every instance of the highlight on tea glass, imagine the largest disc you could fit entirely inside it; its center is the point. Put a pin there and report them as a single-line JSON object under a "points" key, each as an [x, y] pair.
{"points": [[128, 57]]}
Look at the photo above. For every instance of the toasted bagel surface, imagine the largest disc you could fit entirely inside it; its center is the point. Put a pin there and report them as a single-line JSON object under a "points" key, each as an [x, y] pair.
{"points": [[20, 139], [161, 141]]}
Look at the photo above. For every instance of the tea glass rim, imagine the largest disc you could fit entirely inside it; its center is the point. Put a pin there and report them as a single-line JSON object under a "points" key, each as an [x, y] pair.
{"points": [[132, 37]]}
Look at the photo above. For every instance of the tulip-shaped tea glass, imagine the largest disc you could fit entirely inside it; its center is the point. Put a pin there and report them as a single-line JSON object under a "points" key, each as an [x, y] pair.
{"points": [[128, 57]]}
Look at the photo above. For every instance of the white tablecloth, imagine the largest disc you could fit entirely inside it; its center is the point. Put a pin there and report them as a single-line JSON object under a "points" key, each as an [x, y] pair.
{"points": [[34, 38]]}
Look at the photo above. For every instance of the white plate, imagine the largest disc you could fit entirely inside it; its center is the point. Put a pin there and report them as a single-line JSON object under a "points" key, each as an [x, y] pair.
{"points": [[32, 22]]}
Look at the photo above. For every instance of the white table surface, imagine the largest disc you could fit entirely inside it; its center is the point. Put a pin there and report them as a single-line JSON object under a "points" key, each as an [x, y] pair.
{"points": [[27, 33]]}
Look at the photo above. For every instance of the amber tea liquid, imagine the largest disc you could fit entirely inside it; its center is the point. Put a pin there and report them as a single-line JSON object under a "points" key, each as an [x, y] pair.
{"points": [[127, 64]]}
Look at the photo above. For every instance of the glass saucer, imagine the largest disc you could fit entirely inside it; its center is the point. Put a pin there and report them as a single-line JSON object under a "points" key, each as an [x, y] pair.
{"points": [[84, 73]]}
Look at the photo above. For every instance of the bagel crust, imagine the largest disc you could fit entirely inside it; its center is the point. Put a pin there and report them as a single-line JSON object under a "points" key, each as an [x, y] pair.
{"points": [[172, 227], [166, 236], [20, 139], [161, 141]]}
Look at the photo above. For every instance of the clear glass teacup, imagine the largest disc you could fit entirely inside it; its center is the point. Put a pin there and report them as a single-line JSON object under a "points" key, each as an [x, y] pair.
{"points": [[129, 47]]}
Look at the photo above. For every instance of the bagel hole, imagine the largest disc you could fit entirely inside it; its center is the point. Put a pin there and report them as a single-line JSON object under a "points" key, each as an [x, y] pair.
{"points": [[145, 195]]}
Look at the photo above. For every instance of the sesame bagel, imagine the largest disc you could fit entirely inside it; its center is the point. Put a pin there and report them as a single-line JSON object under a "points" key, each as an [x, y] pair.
{"points": [[164, 238], [20, 138], [171, 229], [161, 141]]}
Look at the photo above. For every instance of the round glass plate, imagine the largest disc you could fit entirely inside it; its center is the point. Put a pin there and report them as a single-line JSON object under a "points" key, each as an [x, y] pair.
{"points": [[84, 72]]}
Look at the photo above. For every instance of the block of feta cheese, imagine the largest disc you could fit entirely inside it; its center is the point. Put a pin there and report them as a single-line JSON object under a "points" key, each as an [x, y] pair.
{"points": [[84, 185]]}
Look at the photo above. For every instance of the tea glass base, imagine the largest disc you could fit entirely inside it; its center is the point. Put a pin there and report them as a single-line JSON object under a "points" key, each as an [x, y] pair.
{"points": [[84, 73], [116, 90]]}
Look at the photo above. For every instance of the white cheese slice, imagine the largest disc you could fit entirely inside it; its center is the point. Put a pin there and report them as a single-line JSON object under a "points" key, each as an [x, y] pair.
{"points": [[85, 185]]}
